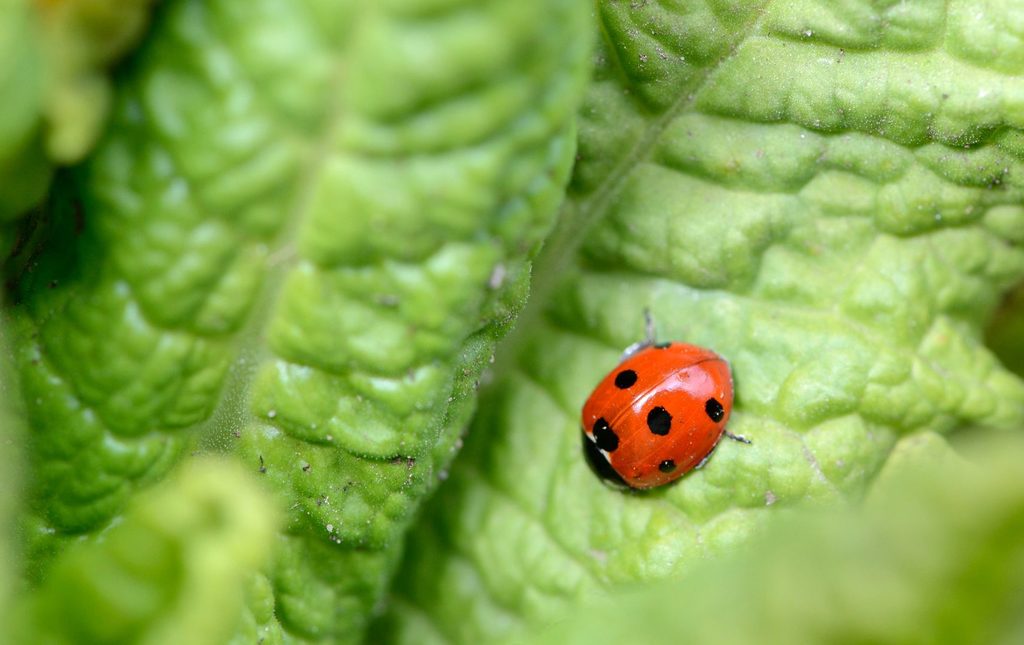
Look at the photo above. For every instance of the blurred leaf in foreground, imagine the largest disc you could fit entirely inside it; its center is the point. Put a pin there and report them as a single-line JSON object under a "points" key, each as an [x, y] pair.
{"points": [[175, 570], [11, 436], [24, 167], [54, 62], [81, 39], [936, 556]]}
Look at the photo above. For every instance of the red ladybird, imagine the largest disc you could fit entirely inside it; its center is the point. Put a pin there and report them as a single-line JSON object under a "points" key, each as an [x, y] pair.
{"points": [[658, 415]]}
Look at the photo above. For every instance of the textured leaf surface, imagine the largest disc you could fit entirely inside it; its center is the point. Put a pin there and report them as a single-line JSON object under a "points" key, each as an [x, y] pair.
{"points": [[308, 226], [934, 559], [53, 77], [830, 197], [174, 571]]}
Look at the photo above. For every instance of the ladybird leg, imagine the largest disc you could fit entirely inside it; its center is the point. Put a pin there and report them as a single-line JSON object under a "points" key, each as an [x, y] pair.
{"points": [[734, 437], [648, 341], [705, 459], [737, 437], [649, 330]]}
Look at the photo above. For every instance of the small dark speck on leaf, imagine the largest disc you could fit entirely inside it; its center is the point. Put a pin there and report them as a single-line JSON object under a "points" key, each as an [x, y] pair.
{"points": [[408, 461], [263, 467]]}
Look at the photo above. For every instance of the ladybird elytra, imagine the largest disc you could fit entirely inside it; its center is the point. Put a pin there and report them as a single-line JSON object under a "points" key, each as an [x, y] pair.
{"points": [[658, 414]]}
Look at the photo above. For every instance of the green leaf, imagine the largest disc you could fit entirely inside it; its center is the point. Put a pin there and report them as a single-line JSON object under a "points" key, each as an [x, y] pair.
{"points": [[80, 41], [937, 559], [11, 476], [54, 58], [1007, 328], [174, 570], [306, 229], [830, 197], [24, 169]]}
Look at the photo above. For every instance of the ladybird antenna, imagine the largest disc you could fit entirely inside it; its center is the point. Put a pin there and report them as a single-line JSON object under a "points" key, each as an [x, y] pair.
{"points": [[649, 329]]}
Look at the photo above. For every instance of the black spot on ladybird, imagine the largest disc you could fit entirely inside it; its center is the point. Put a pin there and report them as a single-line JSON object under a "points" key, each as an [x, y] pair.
{"points": [[599, 464], [604, 436], [659, 420], [714, 409], [625, 379], [667, 466]]}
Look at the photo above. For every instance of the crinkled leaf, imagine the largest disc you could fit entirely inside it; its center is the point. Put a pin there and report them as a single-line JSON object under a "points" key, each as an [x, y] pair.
{"points": [[54, 59], [173, 571], [828, 196], [299, 242], [938, 558], [258, 623]]}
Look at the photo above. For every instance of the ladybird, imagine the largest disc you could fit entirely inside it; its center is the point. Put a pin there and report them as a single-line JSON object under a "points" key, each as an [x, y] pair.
{"points": [[658, 415]]}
